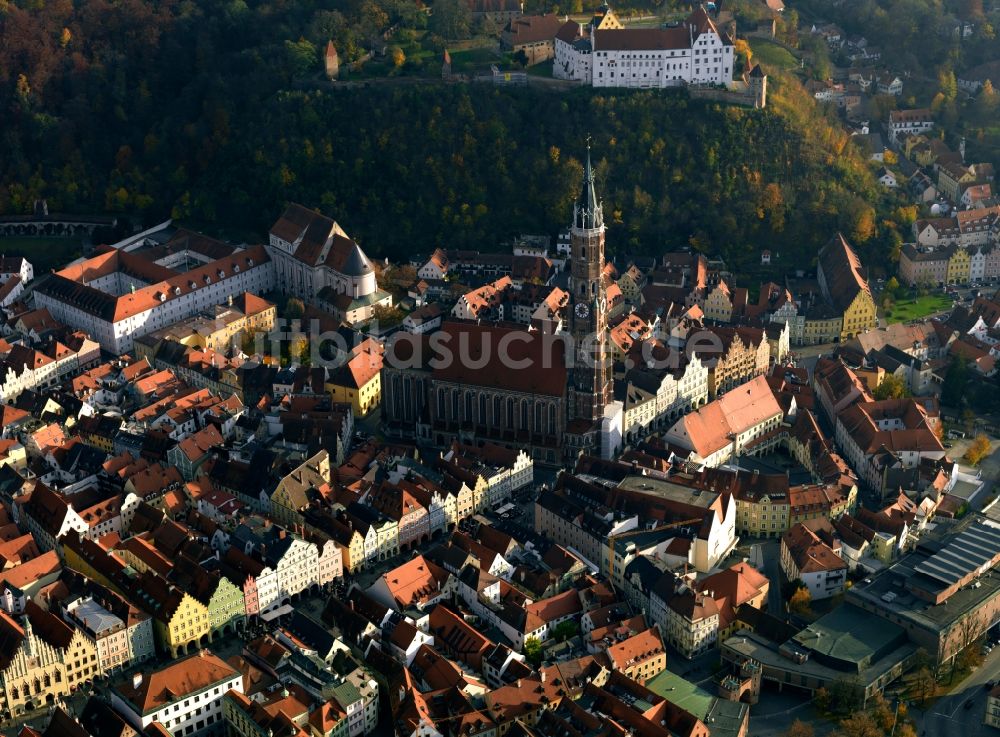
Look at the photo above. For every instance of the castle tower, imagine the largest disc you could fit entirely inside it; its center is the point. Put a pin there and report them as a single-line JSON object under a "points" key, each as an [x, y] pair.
{"points": [[590, 383], [332, 61], [446, 65], [757, 83]]}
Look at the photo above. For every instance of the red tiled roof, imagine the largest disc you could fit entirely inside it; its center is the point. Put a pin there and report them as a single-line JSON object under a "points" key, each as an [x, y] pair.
{"points": [[540, 361]]}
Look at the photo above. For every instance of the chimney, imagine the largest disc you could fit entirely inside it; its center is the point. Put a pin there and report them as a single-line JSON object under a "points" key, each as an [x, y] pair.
{"points": [[136, 680]]}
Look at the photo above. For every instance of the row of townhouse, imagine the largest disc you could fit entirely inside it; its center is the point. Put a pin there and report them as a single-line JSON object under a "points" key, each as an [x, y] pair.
{"points": [[417, 502], [975, 227], [117, 296], [939, 258], [23, 367], [654, 398], [45, 659], [85, 631], [191, 604]]}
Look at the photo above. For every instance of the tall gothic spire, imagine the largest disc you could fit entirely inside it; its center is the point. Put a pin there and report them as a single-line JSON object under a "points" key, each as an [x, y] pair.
{"points": [[589, 213]]}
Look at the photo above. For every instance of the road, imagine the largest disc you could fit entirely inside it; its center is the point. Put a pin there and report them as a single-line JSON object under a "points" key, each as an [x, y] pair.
{"points": [[949, 716], [765, 556]]}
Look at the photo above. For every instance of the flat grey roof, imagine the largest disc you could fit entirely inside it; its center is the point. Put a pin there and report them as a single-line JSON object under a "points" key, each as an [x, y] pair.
{"points": [[95, 618], [668, 490], [764, 651], [970, 550], [849, 634]]}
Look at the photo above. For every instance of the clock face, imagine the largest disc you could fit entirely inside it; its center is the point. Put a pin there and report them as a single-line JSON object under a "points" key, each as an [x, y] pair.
{"points": [[582, 310]]}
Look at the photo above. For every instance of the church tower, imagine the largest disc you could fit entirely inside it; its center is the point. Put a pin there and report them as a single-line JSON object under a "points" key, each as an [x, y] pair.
{"points": [[590, 382]]}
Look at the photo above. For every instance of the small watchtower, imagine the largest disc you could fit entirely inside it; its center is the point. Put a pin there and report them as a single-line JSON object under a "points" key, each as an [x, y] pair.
{"points": [[332, 61]]}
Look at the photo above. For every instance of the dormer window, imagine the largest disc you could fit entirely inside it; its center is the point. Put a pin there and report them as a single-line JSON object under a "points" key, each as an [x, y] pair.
{"points": [[177, 290]]}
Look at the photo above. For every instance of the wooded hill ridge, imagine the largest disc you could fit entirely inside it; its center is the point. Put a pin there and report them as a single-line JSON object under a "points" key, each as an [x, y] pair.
{"points": [[188, 110]]}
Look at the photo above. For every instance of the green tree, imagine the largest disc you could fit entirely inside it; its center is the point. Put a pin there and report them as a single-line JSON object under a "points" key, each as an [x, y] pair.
{"points": [[891, 387], [302, 57], [373, 19], [387, 317], [533, 650], [847, 696], [565, 630], [953, 386], [822, 698], [451, 19]]}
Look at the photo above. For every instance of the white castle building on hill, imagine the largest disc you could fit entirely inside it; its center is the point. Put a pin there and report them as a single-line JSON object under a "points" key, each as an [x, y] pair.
{"points": [[691, 52]]}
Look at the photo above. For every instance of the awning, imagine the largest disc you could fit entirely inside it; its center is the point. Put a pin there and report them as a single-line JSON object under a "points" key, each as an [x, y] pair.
{"points": [[275, 613]]}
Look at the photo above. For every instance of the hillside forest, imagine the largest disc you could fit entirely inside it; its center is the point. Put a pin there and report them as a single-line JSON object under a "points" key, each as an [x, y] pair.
{"points": [[213, 112]]}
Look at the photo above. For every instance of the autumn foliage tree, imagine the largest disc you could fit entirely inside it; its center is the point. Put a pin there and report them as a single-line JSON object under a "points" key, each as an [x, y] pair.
{"points": [[978, 450], [923, 685], [800, 601], [821, 698], [294, 308], [223, 108], [799, 728], [860, 724]]}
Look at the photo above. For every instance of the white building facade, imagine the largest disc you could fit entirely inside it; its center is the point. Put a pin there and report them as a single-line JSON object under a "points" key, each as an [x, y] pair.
{"points": [[196, 709], [691, 52], [114, 307]]}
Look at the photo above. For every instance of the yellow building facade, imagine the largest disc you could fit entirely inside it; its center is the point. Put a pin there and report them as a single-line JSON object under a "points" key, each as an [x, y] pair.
{"points": [[363, 394], [183, 622], [762, 516], [959, 266], [859, 315], [50, 659], [353, 554]]}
